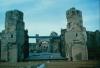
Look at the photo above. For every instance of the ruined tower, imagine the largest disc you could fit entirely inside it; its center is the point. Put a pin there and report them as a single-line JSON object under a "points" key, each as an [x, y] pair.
{"points": [[75, 36], [13, 37]]}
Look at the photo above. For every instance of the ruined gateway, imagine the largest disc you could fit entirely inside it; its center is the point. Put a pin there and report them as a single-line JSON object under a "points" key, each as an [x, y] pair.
{"points": [[71, 44]]}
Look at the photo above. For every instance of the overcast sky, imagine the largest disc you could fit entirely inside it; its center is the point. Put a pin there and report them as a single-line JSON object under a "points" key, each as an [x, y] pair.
{"points": [[44, 16]]}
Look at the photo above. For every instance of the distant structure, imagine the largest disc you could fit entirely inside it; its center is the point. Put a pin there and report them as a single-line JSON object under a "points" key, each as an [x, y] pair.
{"points": [[13, 37], [54, 43], [75, 36], [74, 43], [48, 45], [42, 44]]}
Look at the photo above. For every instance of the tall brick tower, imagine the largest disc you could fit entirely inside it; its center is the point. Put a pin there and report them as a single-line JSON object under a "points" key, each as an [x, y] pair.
{"points": [[75, 36], [13, 37]]}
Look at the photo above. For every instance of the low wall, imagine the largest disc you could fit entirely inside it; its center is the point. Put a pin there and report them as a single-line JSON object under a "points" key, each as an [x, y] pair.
{"points": [[52, 64]]}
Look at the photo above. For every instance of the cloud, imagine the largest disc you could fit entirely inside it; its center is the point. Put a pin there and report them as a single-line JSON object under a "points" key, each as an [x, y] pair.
{"points": [[91, 22], [39, 6], [11, 2]]}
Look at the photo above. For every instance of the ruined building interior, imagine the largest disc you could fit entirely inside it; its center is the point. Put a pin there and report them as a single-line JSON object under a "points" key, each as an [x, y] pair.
{"points": [[72, 45]]}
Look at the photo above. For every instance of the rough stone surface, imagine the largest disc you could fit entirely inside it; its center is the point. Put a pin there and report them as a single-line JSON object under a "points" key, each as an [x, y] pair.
{"points": [[93, 45], [13, 37], [14, 43], [62, 43], [75, 36]]}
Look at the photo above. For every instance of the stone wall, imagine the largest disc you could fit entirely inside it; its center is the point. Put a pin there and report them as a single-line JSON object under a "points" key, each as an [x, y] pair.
{"points": [[12, 41], [93, 45], [62, 43], [75, 36]]}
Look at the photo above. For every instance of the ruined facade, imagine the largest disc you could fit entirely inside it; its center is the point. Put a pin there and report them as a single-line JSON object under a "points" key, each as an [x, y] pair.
{"points": [[13, 37], [72, 44], [75, 36]]}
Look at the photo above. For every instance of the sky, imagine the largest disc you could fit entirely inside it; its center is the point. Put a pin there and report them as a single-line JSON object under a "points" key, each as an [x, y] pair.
{"points": [[44, 16]]}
